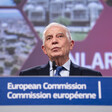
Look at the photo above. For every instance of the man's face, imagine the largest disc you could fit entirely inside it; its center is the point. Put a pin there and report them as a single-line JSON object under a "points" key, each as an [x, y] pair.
{"points": [[56, 43]]}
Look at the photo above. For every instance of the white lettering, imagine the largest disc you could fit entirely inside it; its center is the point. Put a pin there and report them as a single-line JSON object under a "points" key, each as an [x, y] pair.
{"points": [[31, 95], [101, 61], [83, 60], [64, 86], [23, 87], [108, 60], [75, 95], [97, 61], [77, 58]]}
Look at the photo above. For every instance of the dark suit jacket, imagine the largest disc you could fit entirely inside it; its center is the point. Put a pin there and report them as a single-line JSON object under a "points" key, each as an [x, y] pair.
{"points": [[75, 70]]}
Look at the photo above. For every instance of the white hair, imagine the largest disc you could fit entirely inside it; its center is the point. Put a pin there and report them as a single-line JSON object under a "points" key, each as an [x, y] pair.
{"points": [[56, 24]]}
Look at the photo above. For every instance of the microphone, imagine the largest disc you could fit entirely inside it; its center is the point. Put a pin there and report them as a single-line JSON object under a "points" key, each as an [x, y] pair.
{"points": [[53, 66]]}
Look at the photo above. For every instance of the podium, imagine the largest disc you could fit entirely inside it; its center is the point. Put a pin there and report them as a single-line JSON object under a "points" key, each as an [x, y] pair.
{"points": [[55, 91]]}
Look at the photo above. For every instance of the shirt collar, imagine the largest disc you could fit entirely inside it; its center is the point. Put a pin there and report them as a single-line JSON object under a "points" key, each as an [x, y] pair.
{"points": [[66, 65], [50, 63]]}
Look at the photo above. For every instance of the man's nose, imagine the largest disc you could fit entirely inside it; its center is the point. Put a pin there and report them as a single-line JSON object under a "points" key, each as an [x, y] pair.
{"points": [[54, 40]]}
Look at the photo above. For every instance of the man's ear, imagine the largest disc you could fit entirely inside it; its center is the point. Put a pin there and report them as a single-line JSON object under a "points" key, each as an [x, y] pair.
{"points": [[72, 43], [44, 50]]}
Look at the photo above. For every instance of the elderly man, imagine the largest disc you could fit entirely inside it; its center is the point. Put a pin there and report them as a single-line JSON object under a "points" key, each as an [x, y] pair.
{"points": [[57, 43]]}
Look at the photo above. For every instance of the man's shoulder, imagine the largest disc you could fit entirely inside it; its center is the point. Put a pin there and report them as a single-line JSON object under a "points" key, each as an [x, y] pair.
{"points": [[36, 70], [83, 71]]}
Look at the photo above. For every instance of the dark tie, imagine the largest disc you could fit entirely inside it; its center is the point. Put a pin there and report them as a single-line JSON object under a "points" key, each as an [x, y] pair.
{"points": [[58, 70]]}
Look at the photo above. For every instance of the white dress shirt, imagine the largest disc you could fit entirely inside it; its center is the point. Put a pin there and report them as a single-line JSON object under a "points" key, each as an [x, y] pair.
{"points": [[64, 73]]}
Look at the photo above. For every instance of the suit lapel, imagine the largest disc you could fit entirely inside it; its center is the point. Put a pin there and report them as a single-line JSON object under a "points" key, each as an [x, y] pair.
{"points": [[74, 70], [44, 70]]}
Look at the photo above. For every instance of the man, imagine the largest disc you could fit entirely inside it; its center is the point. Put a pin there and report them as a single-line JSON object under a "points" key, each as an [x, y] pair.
{"points": [[57, 43]]}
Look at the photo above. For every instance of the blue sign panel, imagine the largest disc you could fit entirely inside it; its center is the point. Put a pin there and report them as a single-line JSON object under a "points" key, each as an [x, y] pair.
{"points": [[55, 91]]}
